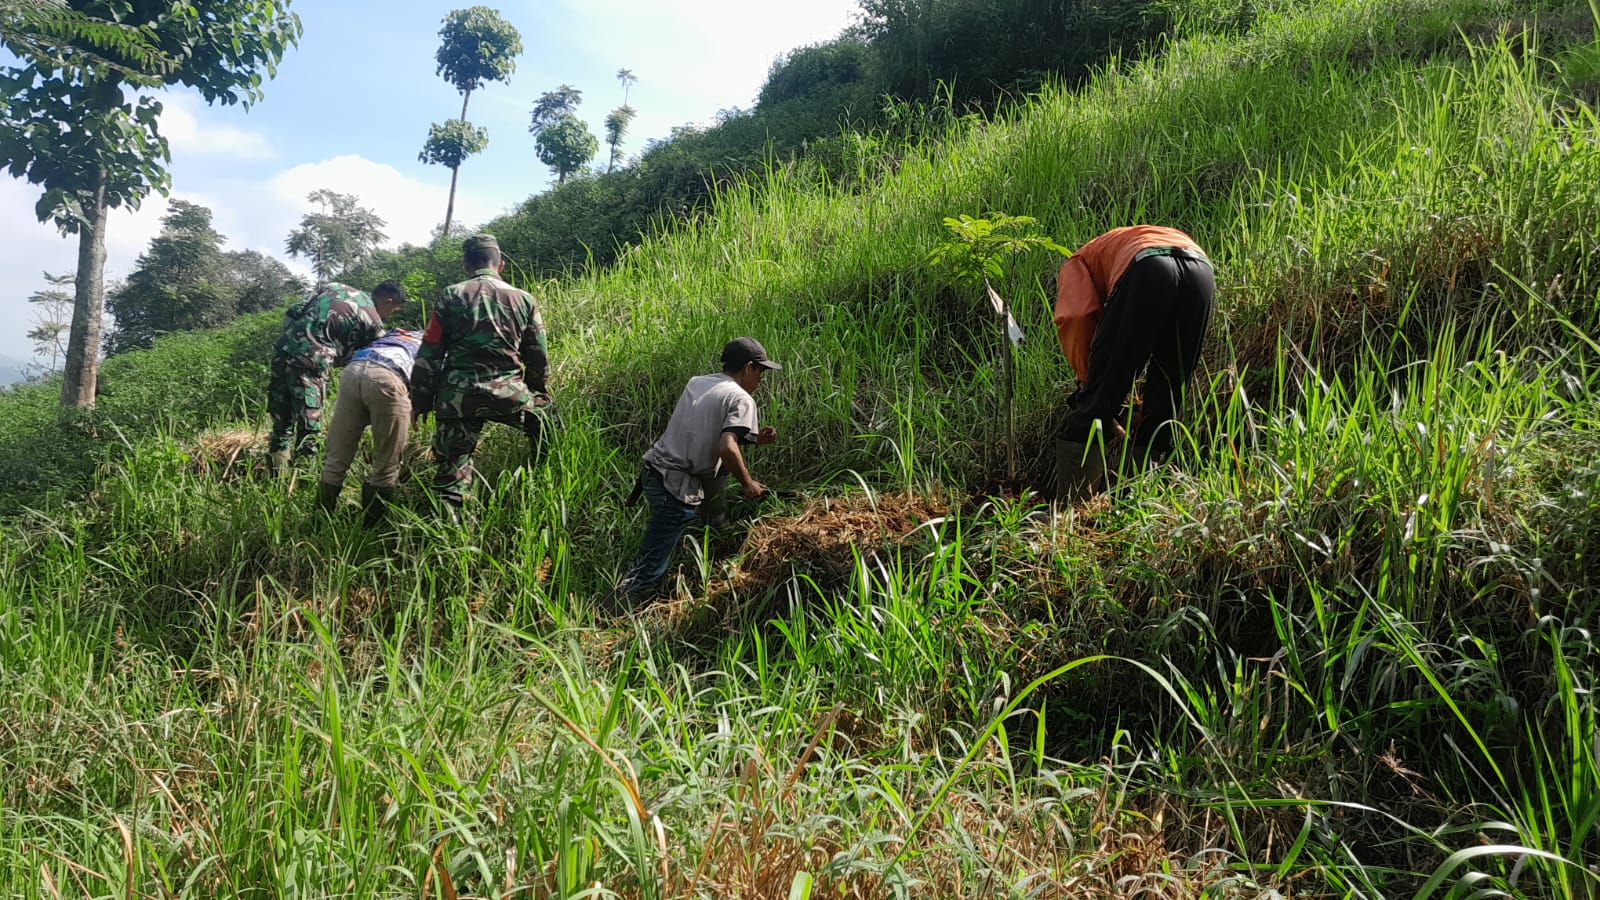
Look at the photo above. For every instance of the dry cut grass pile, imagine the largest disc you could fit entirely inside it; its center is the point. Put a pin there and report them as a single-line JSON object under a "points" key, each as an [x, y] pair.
{"points": [[823, 540], [231, 452], [228, 452]]}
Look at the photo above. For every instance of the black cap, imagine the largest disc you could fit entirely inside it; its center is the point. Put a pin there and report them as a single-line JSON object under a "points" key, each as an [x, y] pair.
{"points": [[745, 350]]}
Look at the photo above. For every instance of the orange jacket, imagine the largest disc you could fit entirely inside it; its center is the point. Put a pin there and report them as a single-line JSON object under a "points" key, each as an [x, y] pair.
{"points": [[1089, 276]]}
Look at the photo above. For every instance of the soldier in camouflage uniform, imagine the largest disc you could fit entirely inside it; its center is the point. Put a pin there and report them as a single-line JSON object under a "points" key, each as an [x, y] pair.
{"points": [[319, 333], [483, 359]]}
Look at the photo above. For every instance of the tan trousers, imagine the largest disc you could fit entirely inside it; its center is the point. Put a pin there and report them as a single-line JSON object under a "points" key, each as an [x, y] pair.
{"points": [[375, 395]]}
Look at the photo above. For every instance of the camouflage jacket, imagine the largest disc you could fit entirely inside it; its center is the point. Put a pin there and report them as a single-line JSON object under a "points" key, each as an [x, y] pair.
{"points": [[322, 330], [484, 352]]}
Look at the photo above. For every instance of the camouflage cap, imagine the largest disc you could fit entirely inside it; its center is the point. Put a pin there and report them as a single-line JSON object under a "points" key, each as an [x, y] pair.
{"points": [[480, 242]]}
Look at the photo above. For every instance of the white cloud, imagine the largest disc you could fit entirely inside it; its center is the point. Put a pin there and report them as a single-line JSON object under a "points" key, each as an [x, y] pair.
{"points": [[181, 123], [712, 48], [32, 247]]}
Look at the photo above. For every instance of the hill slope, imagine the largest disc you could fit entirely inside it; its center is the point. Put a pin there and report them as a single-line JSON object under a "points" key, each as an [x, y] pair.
{"points": [[1340, 647]]}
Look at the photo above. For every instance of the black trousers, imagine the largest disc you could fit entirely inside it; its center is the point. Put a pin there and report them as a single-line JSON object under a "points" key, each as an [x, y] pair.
{"points": [[1156, 316]]}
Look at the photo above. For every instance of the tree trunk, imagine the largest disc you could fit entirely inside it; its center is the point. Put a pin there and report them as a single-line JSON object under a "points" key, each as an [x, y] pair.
{"points": [[81, 371], [450, 206]]}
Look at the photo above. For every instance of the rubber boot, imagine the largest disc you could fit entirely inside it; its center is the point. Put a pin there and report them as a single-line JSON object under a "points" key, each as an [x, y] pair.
{"points": [[1080, 467], [278, 462], [328, 496], [450, 507], [375, 504]]}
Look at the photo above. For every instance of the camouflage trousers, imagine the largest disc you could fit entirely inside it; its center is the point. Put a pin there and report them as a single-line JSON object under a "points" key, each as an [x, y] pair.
{"points": [[456, 440], [294, 400]]}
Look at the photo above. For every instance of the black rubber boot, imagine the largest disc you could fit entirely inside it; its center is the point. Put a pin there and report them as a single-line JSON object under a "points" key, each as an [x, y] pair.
{"points": [[328, 496], [449, 507], [1080, 467], [375, 504]]}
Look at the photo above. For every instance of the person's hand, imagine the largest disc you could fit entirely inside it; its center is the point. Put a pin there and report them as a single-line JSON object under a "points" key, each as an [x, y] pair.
{"points": [[754, 490], [767, 435]]}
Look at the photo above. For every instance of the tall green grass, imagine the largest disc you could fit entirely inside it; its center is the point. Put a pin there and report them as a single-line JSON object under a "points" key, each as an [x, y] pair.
{"points": [[1342, 646]]}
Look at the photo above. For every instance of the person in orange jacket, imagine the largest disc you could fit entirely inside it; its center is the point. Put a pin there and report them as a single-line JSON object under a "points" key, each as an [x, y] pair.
{"points": [[1134, 296]]}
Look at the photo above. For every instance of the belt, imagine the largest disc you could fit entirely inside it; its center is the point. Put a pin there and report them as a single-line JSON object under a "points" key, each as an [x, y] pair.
{"points": [[380, 361], [1176, 252]]}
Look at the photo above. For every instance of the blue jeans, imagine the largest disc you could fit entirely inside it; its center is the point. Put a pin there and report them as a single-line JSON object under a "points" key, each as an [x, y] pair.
{"points": [[669, 519]]}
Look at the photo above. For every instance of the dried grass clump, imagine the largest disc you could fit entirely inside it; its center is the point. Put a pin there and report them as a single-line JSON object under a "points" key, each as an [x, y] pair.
{"points": [[823, 541], [1331, 314], [230, 452], [233, 452], [1092, 847]]}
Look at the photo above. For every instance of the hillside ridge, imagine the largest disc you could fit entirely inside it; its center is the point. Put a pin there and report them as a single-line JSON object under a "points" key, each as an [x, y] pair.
{"points": [[1339, 646]]}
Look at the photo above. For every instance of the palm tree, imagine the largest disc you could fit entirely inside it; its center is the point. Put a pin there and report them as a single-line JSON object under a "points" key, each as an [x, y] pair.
{"points": [[627, 78]]}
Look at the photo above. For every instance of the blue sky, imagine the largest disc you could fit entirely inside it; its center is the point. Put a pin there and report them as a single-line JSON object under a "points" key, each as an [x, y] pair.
{"points": [[350, 108]]}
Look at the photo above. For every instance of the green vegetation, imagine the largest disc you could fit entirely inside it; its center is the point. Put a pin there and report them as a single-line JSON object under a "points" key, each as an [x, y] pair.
{"points": [[563, 140], [186, 282], [189, 381], [1343, 646], [842, 111], [975, 255], [66, 124], [341, 235]]}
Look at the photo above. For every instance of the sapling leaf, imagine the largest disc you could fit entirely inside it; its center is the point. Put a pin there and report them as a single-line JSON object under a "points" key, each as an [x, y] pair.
{"points": [[976, 255]]}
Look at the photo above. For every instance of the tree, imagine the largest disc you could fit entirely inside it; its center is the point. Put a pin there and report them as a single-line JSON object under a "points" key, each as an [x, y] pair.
{"points": [[563, 141], [566, 146], [617, 121], [616, 128], [51, 30], [478, 46], [178, 284], [185, 281], [342, 235], [258, 281], [449, 145], [902, 34], [68, 123], [552, 105], [52, 321]]}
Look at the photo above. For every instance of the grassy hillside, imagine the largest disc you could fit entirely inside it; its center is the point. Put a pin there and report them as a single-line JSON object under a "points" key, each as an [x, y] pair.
{"points": [[189, 382], [1341, 647]]}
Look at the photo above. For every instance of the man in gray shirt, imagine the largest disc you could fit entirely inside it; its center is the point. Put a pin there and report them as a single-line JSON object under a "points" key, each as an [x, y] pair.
{"points": [[715, 416]]}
